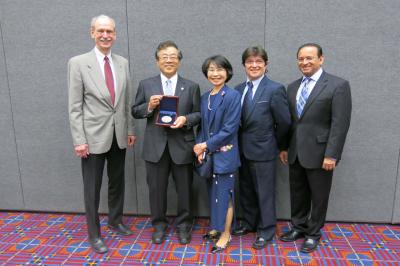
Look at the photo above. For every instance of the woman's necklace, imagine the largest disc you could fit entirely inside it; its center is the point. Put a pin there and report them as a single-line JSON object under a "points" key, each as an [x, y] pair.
{"points": [[213, 92]]}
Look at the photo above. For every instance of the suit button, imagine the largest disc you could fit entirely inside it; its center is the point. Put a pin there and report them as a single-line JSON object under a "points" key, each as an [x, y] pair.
{"points": [[211, 133]]}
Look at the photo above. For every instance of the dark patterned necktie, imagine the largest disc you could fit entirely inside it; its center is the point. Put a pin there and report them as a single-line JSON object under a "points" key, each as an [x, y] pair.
{"points": [[248, 100]]}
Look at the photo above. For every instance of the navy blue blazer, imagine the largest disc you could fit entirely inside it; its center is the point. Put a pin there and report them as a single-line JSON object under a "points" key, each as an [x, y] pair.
{"points": [[265, 129], [222, 125]]}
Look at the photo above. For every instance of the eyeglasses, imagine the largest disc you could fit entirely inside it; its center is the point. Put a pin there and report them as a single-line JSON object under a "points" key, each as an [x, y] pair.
{"points": [[306, 59], [165, 57], [218, 69], [256, 62]]}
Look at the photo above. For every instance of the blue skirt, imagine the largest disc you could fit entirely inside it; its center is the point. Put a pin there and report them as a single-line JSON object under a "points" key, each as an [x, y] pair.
{"points": [[221, 190]]}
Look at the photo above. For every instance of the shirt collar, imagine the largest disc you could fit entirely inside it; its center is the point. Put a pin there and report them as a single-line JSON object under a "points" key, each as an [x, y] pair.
{"points": [[314, 77], [100, 54], [174, 78], [255, 82]]}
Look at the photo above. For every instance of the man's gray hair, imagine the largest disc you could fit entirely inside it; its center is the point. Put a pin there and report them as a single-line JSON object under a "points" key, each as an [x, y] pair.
{"points": [[94, 20]]}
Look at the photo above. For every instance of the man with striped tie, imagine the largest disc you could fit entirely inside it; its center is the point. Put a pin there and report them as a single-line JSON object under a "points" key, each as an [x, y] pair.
{"points": [[320, 107]]}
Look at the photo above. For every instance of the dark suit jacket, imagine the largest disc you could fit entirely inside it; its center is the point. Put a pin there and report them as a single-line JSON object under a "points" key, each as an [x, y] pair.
{"points": [[322, 128], [222, 127], [264, 131], [180, 141]]}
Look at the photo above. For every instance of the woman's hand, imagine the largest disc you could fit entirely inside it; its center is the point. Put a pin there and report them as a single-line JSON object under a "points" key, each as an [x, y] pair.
{"points": [[199, 148], [200, 158]]}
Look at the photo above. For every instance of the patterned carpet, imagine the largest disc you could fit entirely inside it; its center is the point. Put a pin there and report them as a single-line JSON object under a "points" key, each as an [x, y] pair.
{"points": [[60, 239]]}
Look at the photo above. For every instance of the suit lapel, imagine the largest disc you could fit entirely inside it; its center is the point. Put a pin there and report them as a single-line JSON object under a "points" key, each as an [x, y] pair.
{"points": [[97, 77], [180, 87], [318, 88], [292, 98], [241, 88], [217, 102], [260, 89], [157, 87]]}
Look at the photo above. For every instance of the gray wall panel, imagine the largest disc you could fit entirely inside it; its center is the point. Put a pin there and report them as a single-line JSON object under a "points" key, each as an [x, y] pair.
{"points": [[360, 41], [37, 49], [201, 29], [10, 182], [357, 46]]}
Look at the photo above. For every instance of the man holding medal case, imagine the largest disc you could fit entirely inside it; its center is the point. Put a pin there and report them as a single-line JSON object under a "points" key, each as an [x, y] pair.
{"points": [[168, 139]]}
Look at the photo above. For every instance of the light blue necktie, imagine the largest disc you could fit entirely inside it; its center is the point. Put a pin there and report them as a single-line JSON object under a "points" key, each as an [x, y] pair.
{"points": [[168, 88], [305, 92]]}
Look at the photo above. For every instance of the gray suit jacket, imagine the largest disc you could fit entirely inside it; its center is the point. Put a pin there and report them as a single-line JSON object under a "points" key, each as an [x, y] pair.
{"points": [[322, 128], [93, 118], [180, 141]]}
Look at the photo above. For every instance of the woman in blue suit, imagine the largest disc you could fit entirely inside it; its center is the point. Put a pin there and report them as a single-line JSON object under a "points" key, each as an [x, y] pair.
{"points": [[220, 118]]}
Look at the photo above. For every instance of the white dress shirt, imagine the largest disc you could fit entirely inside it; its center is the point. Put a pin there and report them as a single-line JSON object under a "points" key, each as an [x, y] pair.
{"points": [[173, 79], [100, 58], [311, 84], [255, 86]]}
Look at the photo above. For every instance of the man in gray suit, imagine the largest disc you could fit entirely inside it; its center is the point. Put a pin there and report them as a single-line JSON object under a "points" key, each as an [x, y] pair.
{"points": [[101, 126], [169, 149], [320, 107]]}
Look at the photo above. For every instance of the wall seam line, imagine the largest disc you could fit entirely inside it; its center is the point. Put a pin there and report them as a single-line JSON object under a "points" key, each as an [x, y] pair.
{"points": [[265, 24], [132, 77], [395, 186], [12, 116]]}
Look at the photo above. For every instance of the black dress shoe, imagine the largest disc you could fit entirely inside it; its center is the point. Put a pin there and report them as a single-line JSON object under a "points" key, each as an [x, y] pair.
{"points": [[158, 236], [309, 245], [98, 245], [184, 236], [290, 236], [241, 231], [217, 249], [211, 237], [260, 243], [121, 229]]}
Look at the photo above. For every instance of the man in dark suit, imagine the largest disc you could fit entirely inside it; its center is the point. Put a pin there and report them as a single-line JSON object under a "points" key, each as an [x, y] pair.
{"points": [[101, 125], [169, 149], [265, 123], [320, 106]]}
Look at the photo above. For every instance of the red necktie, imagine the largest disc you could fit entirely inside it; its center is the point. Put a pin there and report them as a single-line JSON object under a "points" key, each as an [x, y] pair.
{"points": [[109, 78]]}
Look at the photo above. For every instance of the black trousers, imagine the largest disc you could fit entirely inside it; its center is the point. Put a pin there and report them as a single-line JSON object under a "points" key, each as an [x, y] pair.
{"points": [[92, 171], [157, 181], [309, 196], [257, 196]]}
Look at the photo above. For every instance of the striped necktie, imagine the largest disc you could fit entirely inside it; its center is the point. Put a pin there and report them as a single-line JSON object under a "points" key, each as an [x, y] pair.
{"points": [[305, 92]]}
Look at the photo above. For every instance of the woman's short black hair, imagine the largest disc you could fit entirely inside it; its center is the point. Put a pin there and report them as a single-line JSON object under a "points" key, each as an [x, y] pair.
{"points": [[220, 61]]}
